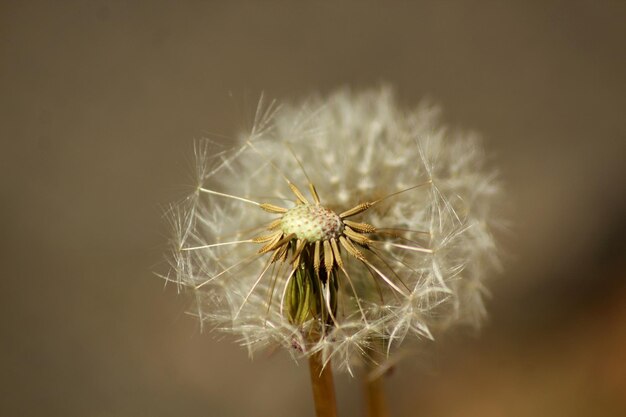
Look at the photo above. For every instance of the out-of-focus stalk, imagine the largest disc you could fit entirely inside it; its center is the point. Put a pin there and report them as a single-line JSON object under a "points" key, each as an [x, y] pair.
{"points": [[376, 404]]}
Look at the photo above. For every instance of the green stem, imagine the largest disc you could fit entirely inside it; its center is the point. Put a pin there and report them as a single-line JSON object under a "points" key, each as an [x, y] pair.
{"points": [[323, 387]]}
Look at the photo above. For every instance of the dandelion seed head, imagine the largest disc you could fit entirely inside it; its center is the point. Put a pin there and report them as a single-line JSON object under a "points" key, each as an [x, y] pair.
{"points": [[312, 222], [344, 226]]}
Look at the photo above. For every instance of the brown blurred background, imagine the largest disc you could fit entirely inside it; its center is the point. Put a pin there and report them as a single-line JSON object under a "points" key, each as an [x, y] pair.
{"points": [[100, 104]]}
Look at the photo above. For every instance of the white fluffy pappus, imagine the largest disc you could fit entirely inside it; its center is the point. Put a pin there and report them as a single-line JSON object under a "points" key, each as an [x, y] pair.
{"points": [[339, 225]]}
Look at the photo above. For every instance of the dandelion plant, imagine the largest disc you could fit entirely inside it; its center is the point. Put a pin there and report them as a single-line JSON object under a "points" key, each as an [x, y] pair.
{"points": [[337, 228]]}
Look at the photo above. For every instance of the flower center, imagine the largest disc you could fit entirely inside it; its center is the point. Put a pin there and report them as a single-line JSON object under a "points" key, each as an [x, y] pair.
{"points": [[312, 223]]}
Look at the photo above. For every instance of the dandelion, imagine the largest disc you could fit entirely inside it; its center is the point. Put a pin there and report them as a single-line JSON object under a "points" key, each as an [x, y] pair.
{"points": [[338, 228]]}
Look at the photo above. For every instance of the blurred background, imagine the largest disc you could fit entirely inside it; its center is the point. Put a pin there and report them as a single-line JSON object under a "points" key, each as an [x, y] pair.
{"points": [[101, 102]]}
